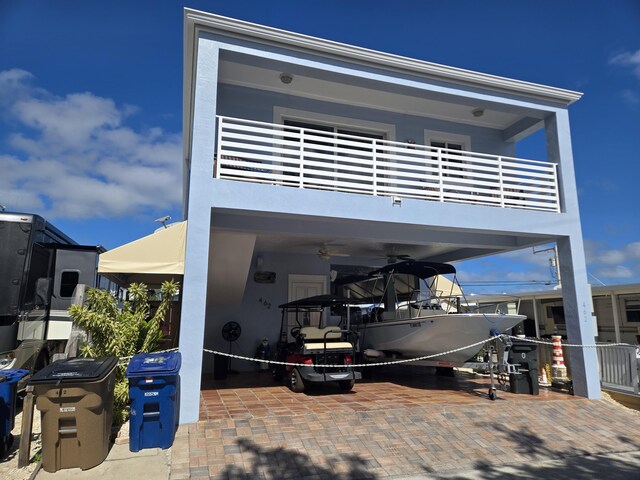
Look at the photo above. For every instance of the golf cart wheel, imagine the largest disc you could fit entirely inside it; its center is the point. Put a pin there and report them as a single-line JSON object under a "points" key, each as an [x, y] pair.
{"points": [[296, 384], [346, 385], [492, 394]]}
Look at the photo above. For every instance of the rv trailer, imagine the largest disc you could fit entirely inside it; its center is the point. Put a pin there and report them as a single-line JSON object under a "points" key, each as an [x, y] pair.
{"points": [[42, 272]]}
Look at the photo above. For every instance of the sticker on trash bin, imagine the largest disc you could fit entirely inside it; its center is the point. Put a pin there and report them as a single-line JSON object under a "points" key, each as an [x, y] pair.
{"points": [[154, 360], [151, 394], [67, 409]]}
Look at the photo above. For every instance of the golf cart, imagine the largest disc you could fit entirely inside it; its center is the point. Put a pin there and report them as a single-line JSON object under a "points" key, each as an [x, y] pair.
{"points": [[307, 337]]}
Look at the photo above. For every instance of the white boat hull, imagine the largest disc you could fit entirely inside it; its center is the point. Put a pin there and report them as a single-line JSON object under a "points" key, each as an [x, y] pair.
{"points": [[430, 335]]}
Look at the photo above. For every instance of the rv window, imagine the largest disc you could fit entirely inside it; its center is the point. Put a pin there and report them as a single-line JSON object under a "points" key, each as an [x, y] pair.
{"points": [[68, 282]]}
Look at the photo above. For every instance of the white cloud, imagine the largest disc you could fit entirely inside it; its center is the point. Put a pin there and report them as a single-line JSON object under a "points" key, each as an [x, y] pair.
{"points": [[599, 253], [628, 59], [630, 96], [75, 156], [617, 272], [610, 257], [633, 250]]}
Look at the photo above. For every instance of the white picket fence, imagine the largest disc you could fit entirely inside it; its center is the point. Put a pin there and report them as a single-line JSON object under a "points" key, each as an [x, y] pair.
{"points": [[262, 152]]}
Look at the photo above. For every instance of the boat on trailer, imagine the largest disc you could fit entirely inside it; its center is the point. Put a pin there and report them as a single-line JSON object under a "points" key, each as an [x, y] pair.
{"points": [[416, 311]]}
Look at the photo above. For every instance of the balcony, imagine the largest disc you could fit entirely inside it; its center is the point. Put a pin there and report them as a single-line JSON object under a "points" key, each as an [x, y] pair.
{"points": [[273, 154]]}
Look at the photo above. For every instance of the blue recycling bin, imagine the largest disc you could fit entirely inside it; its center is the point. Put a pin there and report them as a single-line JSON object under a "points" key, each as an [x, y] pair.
{"points": [[8, 382], [154, 390]]}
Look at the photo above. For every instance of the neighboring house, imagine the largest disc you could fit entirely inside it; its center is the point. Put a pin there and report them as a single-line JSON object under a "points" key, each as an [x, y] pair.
{"points": [[299, 151], [616, 311]]}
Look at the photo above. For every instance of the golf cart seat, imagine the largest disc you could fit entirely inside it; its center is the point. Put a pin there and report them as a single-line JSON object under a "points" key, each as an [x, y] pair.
{"points": [[314, 339]]}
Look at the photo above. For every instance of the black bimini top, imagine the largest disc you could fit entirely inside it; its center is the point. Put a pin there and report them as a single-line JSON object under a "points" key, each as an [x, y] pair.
{"points": [[320, 301], [419, 269]]}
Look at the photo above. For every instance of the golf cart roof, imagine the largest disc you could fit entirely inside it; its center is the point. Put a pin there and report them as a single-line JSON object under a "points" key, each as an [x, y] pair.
{"points": [[319, 301]]}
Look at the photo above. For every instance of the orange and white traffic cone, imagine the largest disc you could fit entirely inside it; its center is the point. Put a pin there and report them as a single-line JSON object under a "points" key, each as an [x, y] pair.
{"points": [[543, 380], [558, 369]]}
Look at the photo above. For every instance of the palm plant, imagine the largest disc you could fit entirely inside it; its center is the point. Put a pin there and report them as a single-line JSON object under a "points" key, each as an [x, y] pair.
{"points": [[122, 331]]}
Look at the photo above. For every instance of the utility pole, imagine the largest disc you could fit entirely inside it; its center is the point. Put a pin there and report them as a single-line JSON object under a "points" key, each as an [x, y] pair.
{"points": [[554, 263]]}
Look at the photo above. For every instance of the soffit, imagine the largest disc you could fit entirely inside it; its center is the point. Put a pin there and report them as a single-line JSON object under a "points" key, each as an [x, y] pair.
{"points": [[337, 90]]}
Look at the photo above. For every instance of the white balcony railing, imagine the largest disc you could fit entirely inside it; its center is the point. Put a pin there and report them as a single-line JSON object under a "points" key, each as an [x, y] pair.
{"points": [[261, 152]]}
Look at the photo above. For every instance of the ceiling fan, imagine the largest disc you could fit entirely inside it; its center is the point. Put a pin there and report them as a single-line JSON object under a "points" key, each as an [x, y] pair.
{"points": [[395, 257], [325, 254]]}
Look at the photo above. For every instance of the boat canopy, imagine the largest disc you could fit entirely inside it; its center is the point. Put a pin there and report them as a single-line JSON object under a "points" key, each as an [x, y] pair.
{"points": [[320, 301], [421, 270]]}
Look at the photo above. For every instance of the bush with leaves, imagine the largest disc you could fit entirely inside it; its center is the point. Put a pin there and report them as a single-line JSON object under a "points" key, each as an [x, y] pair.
{"points": [[122, 332]]}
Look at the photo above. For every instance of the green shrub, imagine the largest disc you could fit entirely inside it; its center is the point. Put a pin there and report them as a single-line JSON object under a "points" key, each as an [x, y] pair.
{"points": [[122, 332]]}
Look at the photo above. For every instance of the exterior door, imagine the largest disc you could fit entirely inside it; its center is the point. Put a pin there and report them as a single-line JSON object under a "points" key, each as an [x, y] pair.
{"points": [[303, 286]]}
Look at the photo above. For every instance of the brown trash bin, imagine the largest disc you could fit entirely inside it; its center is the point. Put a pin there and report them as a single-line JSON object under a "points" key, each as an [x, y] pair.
{"points": [[75, 399]]}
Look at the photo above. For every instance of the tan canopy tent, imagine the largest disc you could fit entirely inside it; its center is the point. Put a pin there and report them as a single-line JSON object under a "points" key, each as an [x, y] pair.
{"points": [[151, 259]]}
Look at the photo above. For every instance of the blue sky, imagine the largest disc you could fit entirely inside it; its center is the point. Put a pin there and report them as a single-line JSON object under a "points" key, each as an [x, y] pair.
{"points": [[91, 104]]}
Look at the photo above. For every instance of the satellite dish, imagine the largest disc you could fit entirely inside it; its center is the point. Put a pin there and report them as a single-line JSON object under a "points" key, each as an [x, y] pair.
{"points": [[163, 220]]}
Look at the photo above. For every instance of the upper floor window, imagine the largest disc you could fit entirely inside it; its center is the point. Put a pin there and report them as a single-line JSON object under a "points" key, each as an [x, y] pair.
{"points": [[451, 143], [331, 132]]}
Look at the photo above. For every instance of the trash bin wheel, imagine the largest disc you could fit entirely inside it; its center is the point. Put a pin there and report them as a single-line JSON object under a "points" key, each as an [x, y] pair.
{"points": [[5, 445], [296, 384], [346, 385]]}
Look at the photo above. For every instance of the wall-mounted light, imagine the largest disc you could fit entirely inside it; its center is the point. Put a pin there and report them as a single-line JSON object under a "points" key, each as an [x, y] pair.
{"points": [[478, 112], [286, 78]]}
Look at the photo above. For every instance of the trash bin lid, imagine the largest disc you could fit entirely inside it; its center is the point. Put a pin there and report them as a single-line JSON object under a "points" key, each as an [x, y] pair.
{"points": [[76, 370], [149, 364], [12, 376]]}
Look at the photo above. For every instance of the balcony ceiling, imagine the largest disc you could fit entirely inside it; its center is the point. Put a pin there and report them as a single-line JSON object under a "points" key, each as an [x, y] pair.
{"points": [[328, 86]]}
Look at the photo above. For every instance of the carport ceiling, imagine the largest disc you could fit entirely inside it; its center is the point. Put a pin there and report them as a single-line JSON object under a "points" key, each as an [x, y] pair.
{"points": [[291, 235]]}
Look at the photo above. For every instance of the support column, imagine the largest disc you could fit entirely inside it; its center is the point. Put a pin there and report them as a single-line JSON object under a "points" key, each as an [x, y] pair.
{"points": [[578, 316], [536, 317], [198, 229], [575, 286], [615, 308]]}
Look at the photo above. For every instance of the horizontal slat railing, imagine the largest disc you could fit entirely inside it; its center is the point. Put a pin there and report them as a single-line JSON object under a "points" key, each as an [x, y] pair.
{"points": [[298, 157]]}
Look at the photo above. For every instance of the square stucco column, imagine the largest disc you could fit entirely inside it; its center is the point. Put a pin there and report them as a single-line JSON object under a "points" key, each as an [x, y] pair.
{"points": [[198, 230], [576, 298], [576, 294]]}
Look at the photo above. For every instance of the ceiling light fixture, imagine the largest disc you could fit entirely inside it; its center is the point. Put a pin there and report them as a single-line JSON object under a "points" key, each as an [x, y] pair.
{"points": [[286, 78]]}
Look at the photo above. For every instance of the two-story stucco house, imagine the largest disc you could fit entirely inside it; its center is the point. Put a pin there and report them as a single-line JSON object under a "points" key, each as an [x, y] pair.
{"points": [[299, 151]]}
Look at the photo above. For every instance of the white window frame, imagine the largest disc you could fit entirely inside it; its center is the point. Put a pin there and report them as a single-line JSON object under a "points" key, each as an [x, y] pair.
{"points": [[280, 114], [446, 137]]}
